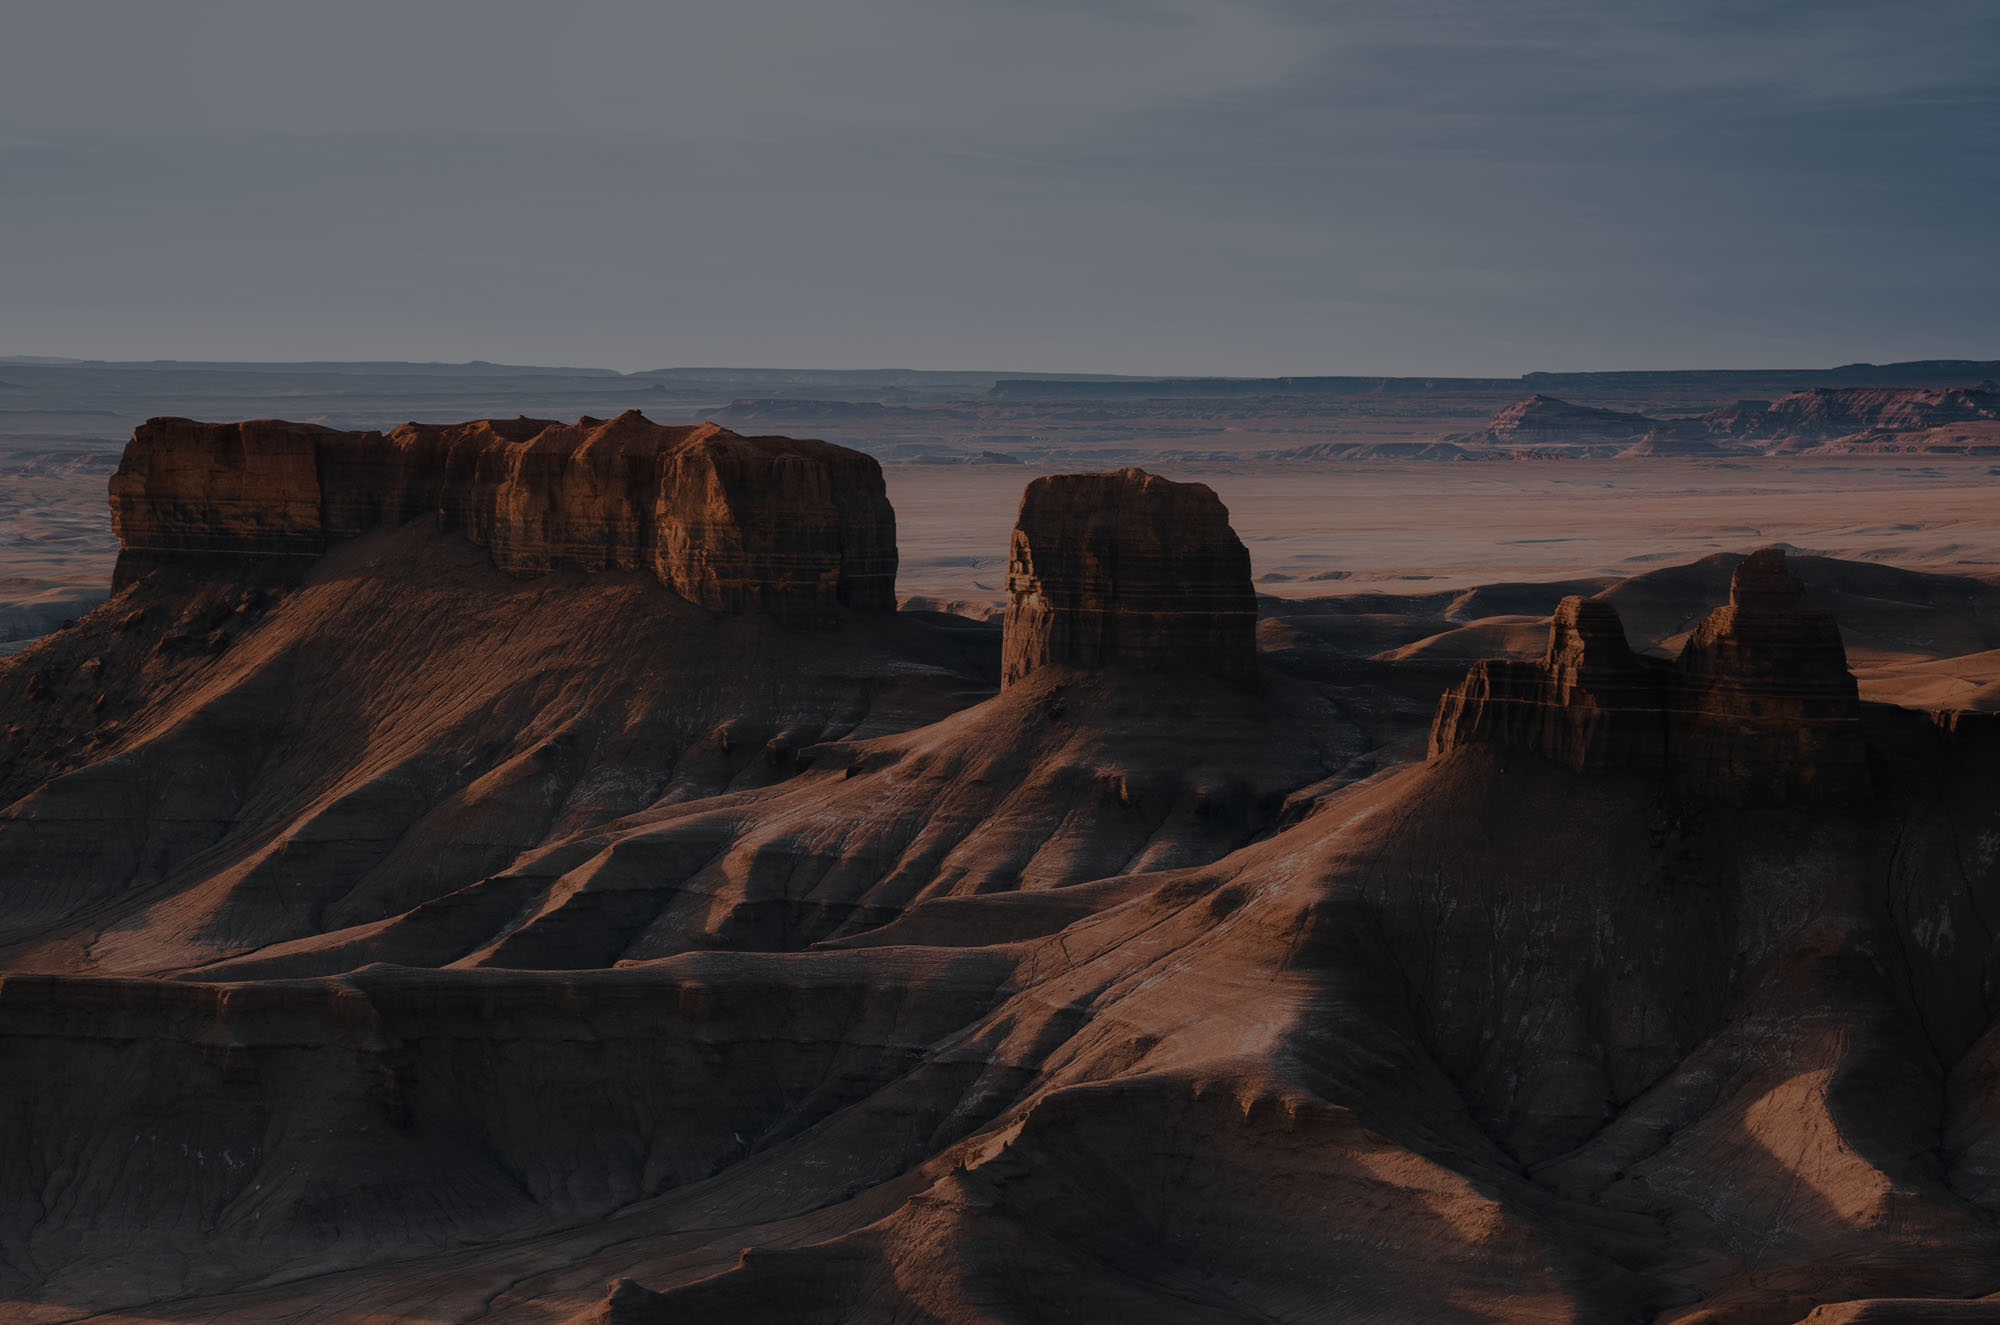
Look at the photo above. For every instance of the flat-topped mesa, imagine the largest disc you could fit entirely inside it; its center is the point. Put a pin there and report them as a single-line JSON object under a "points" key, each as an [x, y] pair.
{"points": [[1759, 709], [771, 524], [250, 488], [1590, 702], [1764, 709], [1128, 570], [1543, 418]]}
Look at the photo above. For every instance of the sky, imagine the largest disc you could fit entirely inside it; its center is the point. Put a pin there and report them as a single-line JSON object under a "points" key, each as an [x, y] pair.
{"points": [[1239, 187]]}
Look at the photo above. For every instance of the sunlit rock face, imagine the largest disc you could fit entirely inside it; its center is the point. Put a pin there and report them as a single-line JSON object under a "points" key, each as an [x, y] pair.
{"points": [[249, 488], [772, 524], [1128, 570], [1759, 708]]}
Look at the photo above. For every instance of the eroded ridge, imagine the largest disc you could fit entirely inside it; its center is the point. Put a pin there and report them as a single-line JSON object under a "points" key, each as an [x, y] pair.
{"points": [[1128, 569], [1590, 702], [732, 523], [1759, 708]]}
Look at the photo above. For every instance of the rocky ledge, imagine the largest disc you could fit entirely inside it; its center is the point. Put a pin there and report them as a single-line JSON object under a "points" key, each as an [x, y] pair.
{"points": [[732, 523], [1129, 570], [1758, 709]]}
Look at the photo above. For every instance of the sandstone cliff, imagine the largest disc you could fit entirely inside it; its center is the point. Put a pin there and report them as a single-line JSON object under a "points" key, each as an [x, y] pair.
{"points": [[1764, 708], [1589, 703], [1128, 570], [771, 524], [1758, 709]]}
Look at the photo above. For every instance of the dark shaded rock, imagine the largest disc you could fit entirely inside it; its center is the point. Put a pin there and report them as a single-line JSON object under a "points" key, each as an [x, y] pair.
{"points": [[1764, 708], [1128, 569], [1759, 709], [1590, 702]]}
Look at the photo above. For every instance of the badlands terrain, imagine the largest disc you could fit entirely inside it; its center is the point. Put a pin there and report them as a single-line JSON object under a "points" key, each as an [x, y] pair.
{"points": [[537, 871], [1334, 483]]}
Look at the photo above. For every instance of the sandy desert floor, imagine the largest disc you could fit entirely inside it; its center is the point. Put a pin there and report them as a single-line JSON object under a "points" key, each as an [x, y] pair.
{"points": [[56, 545], [1406, 527]]}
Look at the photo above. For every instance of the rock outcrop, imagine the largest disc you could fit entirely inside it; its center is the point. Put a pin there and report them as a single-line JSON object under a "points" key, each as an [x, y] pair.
{"points": [[1128, 570], [220, 488], [1543, 420], [1759, 708], [1764, 708], [1590, 702], [770, 524]]}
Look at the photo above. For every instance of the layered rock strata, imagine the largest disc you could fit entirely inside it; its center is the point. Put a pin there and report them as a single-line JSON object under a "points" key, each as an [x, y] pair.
{"points": [[1852, 417], [1823, 414], [1129, 570], [1589, 703], [1544, 420], [1759, 708], [771, 524], [1763, 706]]}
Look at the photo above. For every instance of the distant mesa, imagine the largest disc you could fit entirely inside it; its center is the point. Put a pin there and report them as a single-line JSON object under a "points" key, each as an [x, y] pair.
{"points": [[1852, 416], [1545, 419], [1434, 450], [1836, 418], [757, 409], [1763, 706], [1916, 373], [1759, 709], [1131, 570], [770, 524]]}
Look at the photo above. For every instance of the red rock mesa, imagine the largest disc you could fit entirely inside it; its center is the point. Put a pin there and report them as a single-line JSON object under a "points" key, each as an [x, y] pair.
{"points": [[731, 523], [1128, 570]]}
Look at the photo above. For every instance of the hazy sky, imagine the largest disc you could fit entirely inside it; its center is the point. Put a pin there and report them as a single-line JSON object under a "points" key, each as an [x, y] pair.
{"points": [[1149, 186]]}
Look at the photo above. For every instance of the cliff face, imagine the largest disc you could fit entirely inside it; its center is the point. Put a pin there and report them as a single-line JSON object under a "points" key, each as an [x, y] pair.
{"points": [[1590, 702], [792, 528], [250, 487], [1758, 709], [1764, 708], [1128, 569]]}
